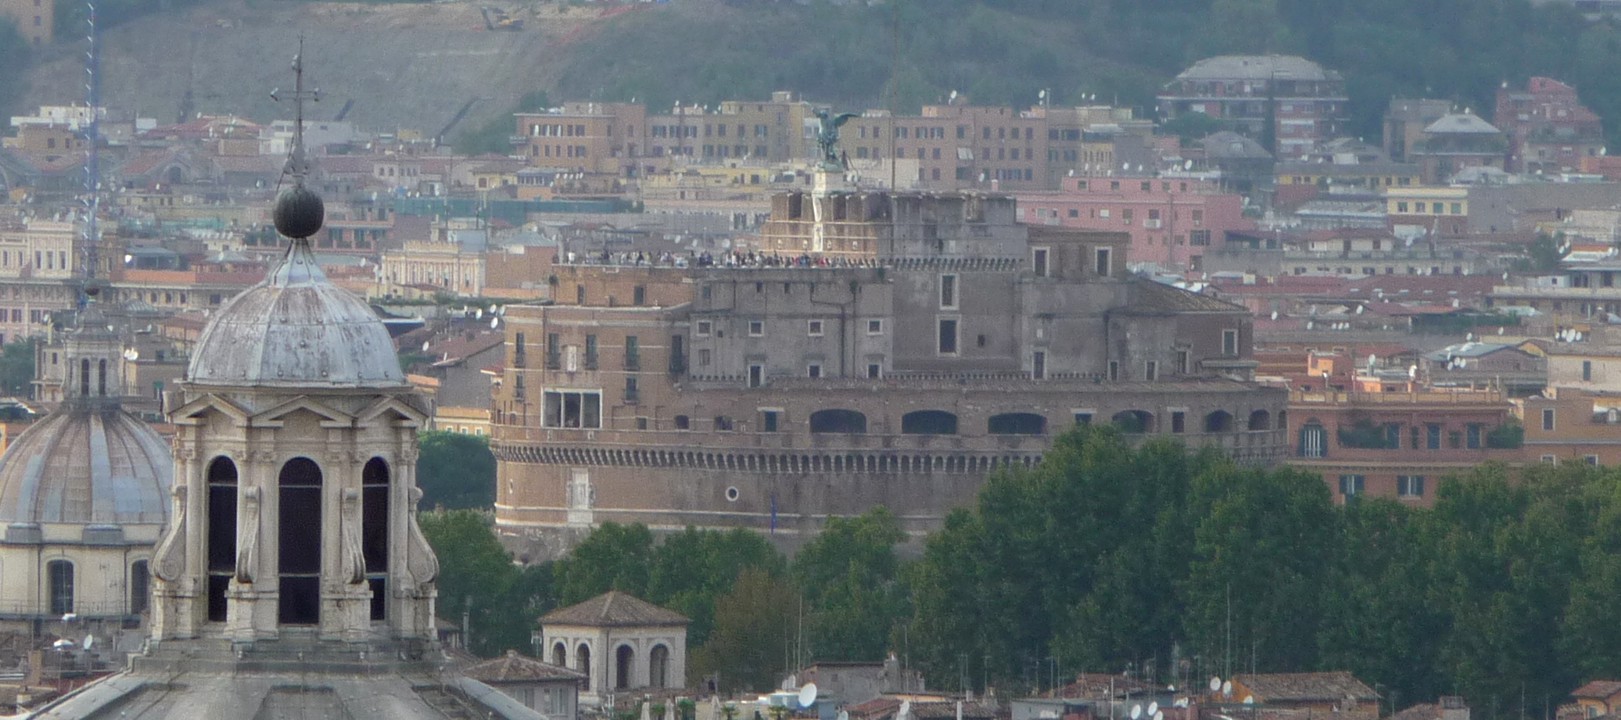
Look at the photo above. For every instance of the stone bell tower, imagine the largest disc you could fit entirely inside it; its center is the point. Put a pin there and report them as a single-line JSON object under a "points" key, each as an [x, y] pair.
{"points": [[295, 492]]}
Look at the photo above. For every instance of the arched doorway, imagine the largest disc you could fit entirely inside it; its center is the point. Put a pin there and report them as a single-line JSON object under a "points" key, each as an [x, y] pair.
{"points": [[929, 422], [1016, 424], [582, 663], [374, 532], [624, 665], [658, 666], [299, 543], [838, 421], [1260, 420], [1219, 421], [1133, 422], [221, 552]]}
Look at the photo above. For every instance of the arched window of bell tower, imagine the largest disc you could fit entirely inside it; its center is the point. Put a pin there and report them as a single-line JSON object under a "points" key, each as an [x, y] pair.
{"points": [[374, 484], [221, 551], [298, 539]]}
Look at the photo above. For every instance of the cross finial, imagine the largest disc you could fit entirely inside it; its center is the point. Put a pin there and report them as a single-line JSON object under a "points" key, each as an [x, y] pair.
{"points": [[297, 162]]}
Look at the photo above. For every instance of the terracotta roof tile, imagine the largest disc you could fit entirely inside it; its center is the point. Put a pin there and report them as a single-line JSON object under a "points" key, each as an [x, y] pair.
{"points": [[1300, 687], [1597, 689], [614, 609], [513, 668]]}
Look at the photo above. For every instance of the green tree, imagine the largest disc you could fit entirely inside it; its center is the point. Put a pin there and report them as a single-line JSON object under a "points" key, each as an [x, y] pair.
{"points": [[690, 569], [612, 557], [455, 470], [1544, 254], [753, 622], [477, 577], [1379, 620], [1262, 547], [17, 366], [1191, 127], [849, 576]]}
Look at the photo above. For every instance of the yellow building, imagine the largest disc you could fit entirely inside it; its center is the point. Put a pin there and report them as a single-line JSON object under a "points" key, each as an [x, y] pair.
{"points": [[443, 265]]}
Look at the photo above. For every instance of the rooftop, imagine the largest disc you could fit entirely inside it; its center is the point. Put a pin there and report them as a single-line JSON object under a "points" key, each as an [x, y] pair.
{"points": [[614, 609], [1256, 67], [513, 668], [1303, 687]]}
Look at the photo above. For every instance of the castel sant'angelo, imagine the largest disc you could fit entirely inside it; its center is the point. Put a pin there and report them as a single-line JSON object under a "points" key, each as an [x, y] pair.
{"points": [[871, 348]]}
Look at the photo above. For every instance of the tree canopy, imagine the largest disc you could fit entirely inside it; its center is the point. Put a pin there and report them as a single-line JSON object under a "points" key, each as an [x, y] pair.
{"points": [[455, 470]]}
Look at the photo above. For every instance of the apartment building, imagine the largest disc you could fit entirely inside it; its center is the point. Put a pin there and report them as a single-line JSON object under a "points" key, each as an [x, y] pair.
{"points": [[1172, 222], [592, 137], [1549, 129], [1573, 424], [1397, 438], [894, 355], [1305, 104]]}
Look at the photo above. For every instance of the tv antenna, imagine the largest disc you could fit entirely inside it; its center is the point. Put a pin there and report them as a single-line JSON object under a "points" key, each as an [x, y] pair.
{"points": [[92, 161]]}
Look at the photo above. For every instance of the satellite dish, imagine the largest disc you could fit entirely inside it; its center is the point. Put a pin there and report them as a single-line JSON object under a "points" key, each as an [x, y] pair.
{"points": [[1227, 688], [479, 315], [807, 695], [1136, 712], [492, 307], [844, 715], [89, 641], [1159, 715], [1181, 702], [1274, 314], [1249, 699], [952, 98], [494, 322], [62, 644], [1215, 684], [1153, 708], [905, 713], [131, 354], [425, 345]]}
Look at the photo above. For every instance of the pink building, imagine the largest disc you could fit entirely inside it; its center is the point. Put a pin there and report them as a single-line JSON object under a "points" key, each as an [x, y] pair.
{"points": [[1172, 221]]}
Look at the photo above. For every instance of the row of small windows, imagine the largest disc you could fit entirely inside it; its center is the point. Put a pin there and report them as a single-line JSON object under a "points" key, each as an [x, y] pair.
{"points": [[941, 422], [1314, 443], [1411, 486]]}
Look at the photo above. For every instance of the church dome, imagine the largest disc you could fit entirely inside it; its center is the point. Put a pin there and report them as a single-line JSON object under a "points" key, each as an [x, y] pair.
{"points": [[87, 465], [296, 329]]}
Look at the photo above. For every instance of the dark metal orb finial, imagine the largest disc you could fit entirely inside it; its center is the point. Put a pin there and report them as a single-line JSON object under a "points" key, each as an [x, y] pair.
{"points": [[299, 212]]}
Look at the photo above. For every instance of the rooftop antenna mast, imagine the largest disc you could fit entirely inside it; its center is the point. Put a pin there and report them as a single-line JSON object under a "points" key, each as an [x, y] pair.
{"points": [[92, 165], [297, 161]]}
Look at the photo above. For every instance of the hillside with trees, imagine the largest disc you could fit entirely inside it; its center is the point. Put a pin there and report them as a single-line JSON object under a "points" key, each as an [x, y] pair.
{"points": [[433, 65]]}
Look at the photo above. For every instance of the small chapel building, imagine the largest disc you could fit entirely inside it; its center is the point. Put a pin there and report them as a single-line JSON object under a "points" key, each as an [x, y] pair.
{"points": [[621, 642]]}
